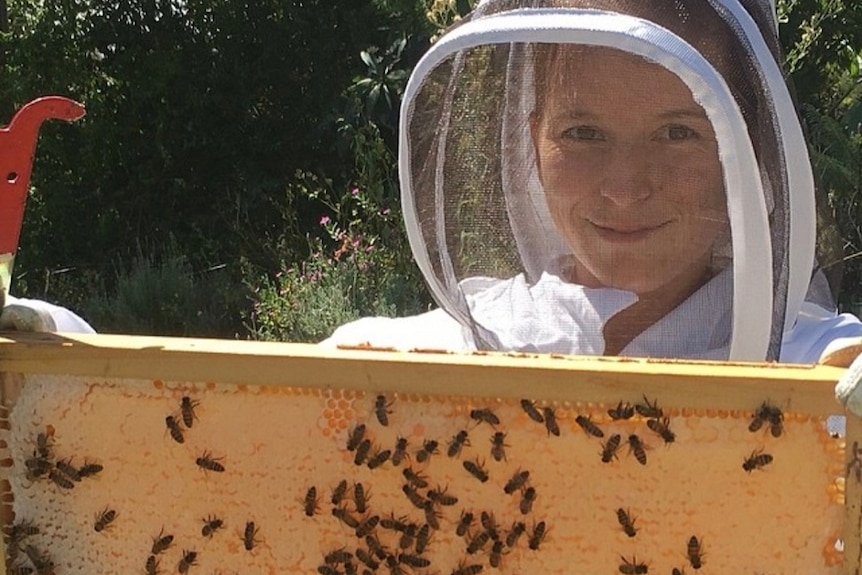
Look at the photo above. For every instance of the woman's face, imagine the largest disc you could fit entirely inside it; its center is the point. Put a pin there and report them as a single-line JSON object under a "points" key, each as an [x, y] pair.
{"points": [[630, 169]]}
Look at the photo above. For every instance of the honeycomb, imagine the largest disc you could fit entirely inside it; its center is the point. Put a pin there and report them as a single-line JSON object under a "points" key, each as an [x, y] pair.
{"points": [[273, 480]]}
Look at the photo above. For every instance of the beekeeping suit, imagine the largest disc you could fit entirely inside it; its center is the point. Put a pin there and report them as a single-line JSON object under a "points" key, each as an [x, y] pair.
{"points": [[620, 177]]}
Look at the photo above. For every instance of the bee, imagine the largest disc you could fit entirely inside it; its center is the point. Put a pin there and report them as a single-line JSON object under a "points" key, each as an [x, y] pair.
{"points": [[152, 567], [636, 446], [310, 503], [338, 556], [422, 538], [174, 428], [478, 542], [627, 522], [208, 463], [21, 531], [327, 570], [457, 443], [187, 408], [485, 415], [20, 570], [622, 411], [379, 459], [757, 460], [339, 492], [367, 559], [342, 514], [60, 480], [367, 526], [408, 536], [776, 422], [249, 535], [161, 542], [440, 497], [211, 525], [400, 451], [43, 444], [538, 535], [394, 566], [189, 560], [362, 451], [677, 571], [360, 497], [65, 467], [355, 437], [89, 469], [415, 479], [413, 560], [662, 429], [515, 533], [516, 482], [37, 467], [476, 469], [610, 447], [415, 498], [393, 523], [530, 409], [588, 426], [770, 414], [429, 448], [694, 551], [464, 523], [374, 546], [104, 519], [633, 567], [551, 421], [490, 525], [381, 410], [527, 499], [650, 410], [498, 446], [464, 569], [496, 555], [432, 516]]}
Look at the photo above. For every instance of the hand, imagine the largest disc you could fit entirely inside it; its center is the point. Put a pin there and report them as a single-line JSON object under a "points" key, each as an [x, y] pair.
{"points": [[21, 318], [849, 388]]}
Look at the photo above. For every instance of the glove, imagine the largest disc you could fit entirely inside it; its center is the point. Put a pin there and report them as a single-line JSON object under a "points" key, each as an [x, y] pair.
{"points": [[849, 388], [22, 318]]}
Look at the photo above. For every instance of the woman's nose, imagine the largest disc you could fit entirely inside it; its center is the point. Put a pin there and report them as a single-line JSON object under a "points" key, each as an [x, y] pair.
{"points": [[626, 179]]}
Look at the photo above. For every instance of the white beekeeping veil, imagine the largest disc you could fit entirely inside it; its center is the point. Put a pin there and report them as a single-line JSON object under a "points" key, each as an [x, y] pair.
{"points": [[572, 166]]}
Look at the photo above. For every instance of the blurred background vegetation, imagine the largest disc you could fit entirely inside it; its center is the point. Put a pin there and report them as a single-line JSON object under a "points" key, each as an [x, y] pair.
{"points": [[235, 173]]}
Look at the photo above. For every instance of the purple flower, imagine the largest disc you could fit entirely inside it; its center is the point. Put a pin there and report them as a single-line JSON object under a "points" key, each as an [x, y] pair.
{"points": [[354, 191], [324, 220]]}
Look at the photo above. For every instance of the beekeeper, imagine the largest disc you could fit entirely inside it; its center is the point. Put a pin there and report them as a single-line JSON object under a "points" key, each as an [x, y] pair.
{"points": [[613, 177]]}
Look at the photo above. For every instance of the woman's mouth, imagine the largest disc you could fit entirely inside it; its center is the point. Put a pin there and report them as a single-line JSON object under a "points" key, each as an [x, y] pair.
{"points": [[626, 233]]}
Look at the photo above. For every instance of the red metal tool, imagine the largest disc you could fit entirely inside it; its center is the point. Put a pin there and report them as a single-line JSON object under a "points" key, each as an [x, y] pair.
{"points": [[17, 150]]}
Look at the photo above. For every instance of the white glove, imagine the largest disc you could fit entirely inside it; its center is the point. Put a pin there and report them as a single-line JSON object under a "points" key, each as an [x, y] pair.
{"points": [[849, 388], [23, 318]]}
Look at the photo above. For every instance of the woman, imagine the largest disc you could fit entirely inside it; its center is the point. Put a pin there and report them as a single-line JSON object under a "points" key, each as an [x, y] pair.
{"points": [[609, 177]]}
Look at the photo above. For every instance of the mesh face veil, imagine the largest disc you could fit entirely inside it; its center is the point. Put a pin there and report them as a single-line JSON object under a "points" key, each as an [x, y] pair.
{"points": [[612, 177]]}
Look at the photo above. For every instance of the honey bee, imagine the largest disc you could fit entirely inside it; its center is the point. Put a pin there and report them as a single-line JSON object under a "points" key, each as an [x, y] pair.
{"points": [[464, 569], [413, 560], [381, 410], [476, 469], [588, 426], [65, 467], [339, 492], [60, 480], [650, 410], [422, 538], [327, 570], [211, 525], [37, 467], [515, 533], [189, 560], [355, 437], [432, 516], [633, 567], [415, 479], [362, 451], [464, 523], [367, 526], [478, 542], [498, 446], [485, 415], [527, 499], [400, 451], [530, 409], [610, 447], [627, 522], [345, 517], [677, 571], [21, 531], [152, 567], [374, 546], [187, 408], [516, 482], [694, 551], [394, 523], [249, 535], [379, 459], [636, 446], [20, 570], [161, 542], [622, 411], [104, 519], [89, 469], [429, 448], [360, 498], [338, 556], [457, 443], [551, 421], [440, 497], [757, 460], [408, 536], [496, 555], [776, 422], [662, 429], [208, 463], [538, 535], [415, 498], [490, 525], [310, 503], [174, 429], [367, 559], [43, 444], [770, 414]]}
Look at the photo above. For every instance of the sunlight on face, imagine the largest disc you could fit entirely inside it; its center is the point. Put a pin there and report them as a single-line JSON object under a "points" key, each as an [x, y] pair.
{"points": [[630, 169]]}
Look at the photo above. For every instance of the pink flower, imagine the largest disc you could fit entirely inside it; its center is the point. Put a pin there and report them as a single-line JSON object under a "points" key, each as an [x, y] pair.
{"points": [[386, 212], [354, 191], [324, 220]]}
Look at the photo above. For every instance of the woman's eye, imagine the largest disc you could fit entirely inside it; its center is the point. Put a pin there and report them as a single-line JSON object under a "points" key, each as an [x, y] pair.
{"points": [[678, 133], [587, 133]]}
